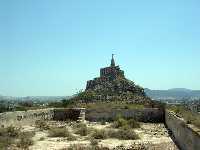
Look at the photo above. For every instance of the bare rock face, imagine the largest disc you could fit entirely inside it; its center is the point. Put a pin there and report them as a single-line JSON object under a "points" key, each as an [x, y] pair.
{"points": [[112, 85]]}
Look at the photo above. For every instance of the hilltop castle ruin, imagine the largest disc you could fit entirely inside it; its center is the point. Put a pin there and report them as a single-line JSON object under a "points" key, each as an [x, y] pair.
{"points": [[112, 84], [106, 74]]}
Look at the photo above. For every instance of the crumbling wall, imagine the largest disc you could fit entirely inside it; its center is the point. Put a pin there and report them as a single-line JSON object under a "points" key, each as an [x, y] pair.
{"points": [[143, 115], [29, 117], [75, 114], [185, 137], [25, 117]]}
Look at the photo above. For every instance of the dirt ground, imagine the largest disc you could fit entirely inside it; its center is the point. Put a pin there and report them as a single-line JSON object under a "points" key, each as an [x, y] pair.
{"points": [[149, 133]]}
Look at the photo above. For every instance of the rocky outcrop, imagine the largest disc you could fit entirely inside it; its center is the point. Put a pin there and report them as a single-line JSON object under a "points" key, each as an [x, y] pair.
{"points": [[113, 85]]}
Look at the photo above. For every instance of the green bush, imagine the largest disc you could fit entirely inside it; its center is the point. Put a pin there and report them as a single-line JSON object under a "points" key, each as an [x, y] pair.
{"points": [[8, 136], [10, 131], [116, 133], [42, 139], [99, 134], [123, 134], [120, 123], [133, 124], [82, 130], [24, 142], [94, 142], [80, 147], [136, 146], [58, 132], [78, 125], [103, 122], [125, 124], [5, 142], [14, 136], [25, 139], [71, 137], [41, 124]]}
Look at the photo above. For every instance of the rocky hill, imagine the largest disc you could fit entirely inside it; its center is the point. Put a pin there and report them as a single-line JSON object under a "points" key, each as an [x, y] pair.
{"points": [[173, 94], [113, 85]]}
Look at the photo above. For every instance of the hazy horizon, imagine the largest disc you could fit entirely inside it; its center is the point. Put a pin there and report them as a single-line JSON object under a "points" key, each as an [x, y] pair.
{"points": [[53, 47]]}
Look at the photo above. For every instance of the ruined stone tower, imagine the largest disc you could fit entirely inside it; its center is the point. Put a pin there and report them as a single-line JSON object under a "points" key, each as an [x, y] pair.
{"points": [[106, 74], [113, 85]]}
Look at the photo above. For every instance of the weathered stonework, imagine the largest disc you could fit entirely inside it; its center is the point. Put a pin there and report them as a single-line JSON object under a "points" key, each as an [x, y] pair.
{"points": [[107, 74], [18, 118], [185, 136], [74, 114], [112, 84], [153, 115]]}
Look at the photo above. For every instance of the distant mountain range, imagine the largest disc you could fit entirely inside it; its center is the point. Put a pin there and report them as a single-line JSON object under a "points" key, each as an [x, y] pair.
{"points": [[170, 94], [175, 93], [34, 98]]}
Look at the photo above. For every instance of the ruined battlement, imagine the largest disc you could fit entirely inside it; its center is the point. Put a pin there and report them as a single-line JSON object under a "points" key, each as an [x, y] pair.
{"points": [[30, 116], [111, 72], [112, 84], [106, 74]]}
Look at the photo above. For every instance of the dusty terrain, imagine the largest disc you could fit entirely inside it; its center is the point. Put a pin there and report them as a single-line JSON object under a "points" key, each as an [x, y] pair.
{"points": [[151, 134]]}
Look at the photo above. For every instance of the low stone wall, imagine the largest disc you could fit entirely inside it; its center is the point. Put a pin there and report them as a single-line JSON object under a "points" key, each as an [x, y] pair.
{"points": [[185, 137], [75, 114], [143, 115], [29, 117], [25, 117], [78, 114]]}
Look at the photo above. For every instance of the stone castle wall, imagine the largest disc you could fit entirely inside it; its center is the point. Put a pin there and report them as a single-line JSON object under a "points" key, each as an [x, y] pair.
{"points": [[74, 114], [62, 114], [185, 137], [29, 117], [143, 115], [25, 117]]}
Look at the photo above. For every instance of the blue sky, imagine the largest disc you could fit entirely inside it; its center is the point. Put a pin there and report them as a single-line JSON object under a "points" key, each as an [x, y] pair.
{"points": [[50, 47]]}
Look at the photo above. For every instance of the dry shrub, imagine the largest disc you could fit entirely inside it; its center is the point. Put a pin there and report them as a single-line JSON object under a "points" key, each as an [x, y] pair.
{"points": [[41, 124], [94, 142], [81, 147], [142, 146], [120, 122], [25, 139], [42, 139], [5, 142], [123, 134], [14, 136], [59, 132], [10, 131], [133, 124], [118, 134], [99, 134], [82, 129], [134, 146], [71, 137], [8, 136], [125, 124], [24, 143]]}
